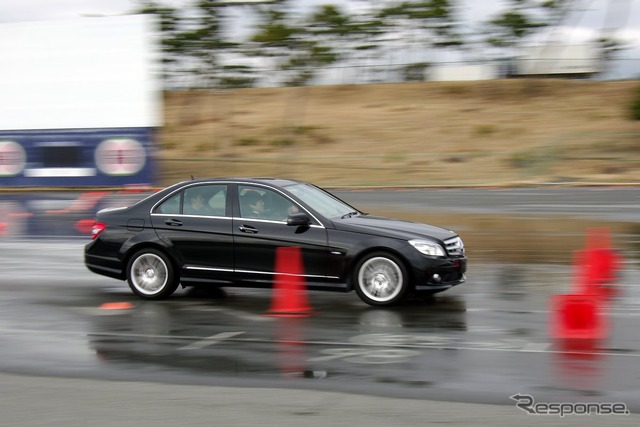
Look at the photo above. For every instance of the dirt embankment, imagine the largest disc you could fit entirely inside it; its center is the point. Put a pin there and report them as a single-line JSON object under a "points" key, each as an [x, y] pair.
{"points": [[500, 132]]}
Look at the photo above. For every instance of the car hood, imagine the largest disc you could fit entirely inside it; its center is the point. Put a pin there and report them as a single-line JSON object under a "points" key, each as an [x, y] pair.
{"points": [[390, 227]]}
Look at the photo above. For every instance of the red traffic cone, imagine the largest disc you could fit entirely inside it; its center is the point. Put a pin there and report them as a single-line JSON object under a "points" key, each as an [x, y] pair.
{"points": [[602, 266], [289, 297], [575, 316], [598, 264]]}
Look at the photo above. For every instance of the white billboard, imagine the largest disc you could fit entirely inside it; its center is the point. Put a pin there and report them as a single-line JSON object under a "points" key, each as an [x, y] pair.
{"points": [[99, 72], [585, 59], [469, 72]]}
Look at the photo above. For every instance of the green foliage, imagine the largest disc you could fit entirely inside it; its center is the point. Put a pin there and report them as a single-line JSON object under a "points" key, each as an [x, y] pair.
{"points": [[283, 142], [510, 27], [414, 72], [523, 18], [394, 157], [522, 159], [485, 130], [304, 130], [434, 19], [196, 39], [635, 106], [274, 32], [247, 142], [197, 43], [328, 19]]}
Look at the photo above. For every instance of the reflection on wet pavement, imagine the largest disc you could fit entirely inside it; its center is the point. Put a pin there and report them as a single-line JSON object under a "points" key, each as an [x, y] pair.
{"points": [[482, 341]]}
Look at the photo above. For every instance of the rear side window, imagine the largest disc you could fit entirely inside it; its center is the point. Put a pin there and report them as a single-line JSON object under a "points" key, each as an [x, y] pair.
{"points": [[171, 206], [207, 200], [197, 200]]}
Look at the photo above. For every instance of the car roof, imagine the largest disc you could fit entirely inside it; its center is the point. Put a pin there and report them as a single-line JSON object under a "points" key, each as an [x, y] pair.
{"points": [[278, 182]]}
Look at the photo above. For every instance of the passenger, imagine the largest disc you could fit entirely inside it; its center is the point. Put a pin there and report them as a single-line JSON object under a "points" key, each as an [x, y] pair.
{"points": [[197, 204], [253, 200]]}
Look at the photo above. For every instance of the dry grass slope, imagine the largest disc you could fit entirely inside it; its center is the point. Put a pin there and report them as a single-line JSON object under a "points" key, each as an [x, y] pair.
{"points": [[502, 132]]}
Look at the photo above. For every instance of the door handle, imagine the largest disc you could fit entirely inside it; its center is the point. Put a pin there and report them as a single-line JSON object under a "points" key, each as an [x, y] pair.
{"points": [[173, 222], [248, 229]]}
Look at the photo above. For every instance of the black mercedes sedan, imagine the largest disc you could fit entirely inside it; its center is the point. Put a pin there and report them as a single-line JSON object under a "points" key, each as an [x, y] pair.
{"points": [[225, 232]]}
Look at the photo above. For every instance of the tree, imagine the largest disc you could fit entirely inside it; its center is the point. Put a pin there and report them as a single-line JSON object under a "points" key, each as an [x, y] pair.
{"points": [[510, 27], [202, 43], [289, 47], [347, 35], [426, 24], [434, 18], [196, 46], [169, 23]]}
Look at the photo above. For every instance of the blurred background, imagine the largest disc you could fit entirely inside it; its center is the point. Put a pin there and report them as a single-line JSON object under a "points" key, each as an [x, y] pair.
{"points": [[398, 93], [514, 123]]}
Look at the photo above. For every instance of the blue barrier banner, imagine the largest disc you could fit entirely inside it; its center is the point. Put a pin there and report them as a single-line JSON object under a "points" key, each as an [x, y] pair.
{"points": [[77, 157]]}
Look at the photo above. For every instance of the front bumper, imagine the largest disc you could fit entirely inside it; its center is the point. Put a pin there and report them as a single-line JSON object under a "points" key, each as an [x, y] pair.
{"points": [[441, 275]]}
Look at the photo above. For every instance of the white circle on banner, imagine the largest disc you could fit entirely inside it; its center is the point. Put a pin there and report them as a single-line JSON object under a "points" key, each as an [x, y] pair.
{"points": [[12, 158], [120, 156]]}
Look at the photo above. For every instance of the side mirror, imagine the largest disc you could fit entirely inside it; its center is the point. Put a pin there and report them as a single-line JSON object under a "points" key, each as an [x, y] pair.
{"points": [[299, 219]]}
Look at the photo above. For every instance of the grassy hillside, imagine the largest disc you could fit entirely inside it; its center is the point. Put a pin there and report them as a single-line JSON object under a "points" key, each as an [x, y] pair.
{"points": [[435, 133]]}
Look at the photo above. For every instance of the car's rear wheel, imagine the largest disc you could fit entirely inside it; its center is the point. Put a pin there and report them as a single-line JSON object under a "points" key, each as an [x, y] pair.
{"points": [[151, 275], [380, 279]]}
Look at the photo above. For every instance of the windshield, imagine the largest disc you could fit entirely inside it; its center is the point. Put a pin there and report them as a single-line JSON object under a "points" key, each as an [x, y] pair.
{"points": [[321, 201]]}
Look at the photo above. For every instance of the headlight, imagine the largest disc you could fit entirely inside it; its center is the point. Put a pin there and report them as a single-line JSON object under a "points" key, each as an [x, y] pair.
{"points": [[427, 247]]}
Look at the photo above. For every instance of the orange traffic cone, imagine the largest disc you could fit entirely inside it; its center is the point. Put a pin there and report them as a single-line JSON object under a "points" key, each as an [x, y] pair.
{"points": [[289, 298], [116, 306]]}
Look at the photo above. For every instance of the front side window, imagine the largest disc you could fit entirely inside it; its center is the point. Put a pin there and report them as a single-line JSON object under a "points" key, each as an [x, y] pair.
{"points": [[262, 203], [322, 201]]}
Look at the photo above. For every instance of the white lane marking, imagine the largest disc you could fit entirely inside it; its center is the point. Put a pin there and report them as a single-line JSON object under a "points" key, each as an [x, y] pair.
{"points": [[370, 357], [212, 340], [536, 347], [239, 314]]}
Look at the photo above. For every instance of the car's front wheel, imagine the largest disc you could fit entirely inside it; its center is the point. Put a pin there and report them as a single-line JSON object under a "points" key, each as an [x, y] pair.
{"points": [[151, 275], [380, 279]]}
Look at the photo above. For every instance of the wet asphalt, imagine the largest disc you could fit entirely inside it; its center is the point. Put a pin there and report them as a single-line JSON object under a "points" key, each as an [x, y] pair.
{"points": [[479, 343]]}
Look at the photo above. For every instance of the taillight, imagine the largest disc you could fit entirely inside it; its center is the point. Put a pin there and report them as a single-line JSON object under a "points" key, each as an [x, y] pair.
{"points": [[98, 227]]}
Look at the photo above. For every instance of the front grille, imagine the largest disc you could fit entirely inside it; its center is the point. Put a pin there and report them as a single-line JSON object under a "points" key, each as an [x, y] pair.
{"points": [[454, 246]]}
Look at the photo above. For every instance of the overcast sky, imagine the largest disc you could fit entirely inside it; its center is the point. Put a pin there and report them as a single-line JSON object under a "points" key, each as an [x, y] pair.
{"points": [[592, 13], [589, 16]]}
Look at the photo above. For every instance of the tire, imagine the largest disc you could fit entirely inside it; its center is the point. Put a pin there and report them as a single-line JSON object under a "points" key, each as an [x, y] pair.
{"points": [[380, 279], [151, 274]]}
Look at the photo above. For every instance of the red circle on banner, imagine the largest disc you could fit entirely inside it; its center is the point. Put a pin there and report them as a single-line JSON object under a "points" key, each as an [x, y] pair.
{"points": [[120, 156], [12, 158]]}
